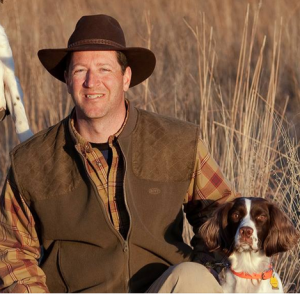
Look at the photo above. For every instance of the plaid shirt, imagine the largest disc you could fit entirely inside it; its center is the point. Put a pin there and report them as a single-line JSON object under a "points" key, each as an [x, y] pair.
{"points": [[19, 243], [109, 181]]}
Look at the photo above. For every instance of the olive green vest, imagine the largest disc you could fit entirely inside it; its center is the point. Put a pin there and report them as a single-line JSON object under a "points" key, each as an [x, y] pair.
{"points": [[83, 252]]}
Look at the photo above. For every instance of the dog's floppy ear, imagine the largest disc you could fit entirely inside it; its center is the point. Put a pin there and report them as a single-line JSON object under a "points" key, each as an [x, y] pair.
{"points": [[213, 230], [282, 235]]}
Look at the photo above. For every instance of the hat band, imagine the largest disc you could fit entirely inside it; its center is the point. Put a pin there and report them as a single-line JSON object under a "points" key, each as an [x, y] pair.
{"points": [[96, 41]]}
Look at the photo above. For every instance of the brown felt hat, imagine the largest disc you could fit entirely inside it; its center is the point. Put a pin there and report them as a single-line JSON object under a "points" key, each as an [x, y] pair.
{"points": [[100, 33]]}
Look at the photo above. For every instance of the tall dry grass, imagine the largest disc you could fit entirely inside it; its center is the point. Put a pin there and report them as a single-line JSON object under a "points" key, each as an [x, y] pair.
{"points": [[230, 66], [248, 136]]}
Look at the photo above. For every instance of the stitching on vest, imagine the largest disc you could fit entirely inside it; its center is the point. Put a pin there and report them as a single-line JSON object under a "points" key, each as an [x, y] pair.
{"points": [[164, 148], [42, 162]]}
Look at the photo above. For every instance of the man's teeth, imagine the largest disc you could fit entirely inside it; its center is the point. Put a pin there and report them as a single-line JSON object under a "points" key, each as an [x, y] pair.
{"points": [[94, 96]]}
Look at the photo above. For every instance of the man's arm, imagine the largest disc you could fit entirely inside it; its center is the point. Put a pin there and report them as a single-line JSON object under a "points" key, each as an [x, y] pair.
{"points": [[207, 190], [19, 246], [208, 181]]}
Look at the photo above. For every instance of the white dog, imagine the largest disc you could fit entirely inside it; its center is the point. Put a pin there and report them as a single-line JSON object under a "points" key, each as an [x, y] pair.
{"points": [[11, 96]]}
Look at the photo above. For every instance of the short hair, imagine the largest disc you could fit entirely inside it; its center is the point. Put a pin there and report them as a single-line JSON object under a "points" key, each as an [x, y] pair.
{"points": [[122, 60], [121, 57]]}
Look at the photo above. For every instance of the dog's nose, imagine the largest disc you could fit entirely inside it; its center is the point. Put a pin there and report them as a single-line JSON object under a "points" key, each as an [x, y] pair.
{"points": [[246, 231]]}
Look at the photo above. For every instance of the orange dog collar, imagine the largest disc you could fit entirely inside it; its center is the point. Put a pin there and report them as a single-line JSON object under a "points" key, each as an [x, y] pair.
{"points": [[267, 274]]}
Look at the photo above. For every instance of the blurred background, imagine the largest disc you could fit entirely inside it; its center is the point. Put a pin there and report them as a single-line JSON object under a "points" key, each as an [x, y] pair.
{"points": [[231, 66]]}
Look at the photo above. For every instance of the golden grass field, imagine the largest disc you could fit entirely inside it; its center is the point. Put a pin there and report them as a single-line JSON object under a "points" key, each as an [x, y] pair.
{"points": [[232, 66]]}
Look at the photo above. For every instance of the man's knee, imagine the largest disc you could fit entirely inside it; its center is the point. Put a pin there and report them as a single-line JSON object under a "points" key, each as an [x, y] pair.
{"points": [[196, 278], [188, 277]]}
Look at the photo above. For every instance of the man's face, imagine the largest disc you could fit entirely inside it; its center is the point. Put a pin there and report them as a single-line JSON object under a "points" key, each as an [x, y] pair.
{"points": [[97, 84]]}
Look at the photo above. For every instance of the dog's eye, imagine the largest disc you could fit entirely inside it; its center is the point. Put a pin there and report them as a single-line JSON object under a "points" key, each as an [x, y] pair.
{"points": [[235, 216], [261, 218]]}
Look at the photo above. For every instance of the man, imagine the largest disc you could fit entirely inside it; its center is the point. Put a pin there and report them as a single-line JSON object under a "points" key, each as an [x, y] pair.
{"points": [[101, 192]]}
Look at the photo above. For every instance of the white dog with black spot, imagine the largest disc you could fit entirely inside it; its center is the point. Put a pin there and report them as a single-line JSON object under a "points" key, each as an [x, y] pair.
{"points": [[11, 96]]}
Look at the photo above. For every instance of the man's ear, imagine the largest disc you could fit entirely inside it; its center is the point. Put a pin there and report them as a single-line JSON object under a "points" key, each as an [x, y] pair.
{"points": [[127, 79]]}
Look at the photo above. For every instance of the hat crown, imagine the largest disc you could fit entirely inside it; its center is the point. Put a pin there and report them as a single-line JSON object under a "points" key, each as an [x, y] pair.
{"points": [[97, 27], [99, 33]]}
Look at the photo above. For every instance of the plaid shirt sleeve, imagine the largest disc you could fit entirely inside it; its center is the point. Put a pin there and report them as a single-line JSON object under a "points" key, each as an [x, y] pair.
{"points": [[208, 188], [19, 246], [208, 181]]}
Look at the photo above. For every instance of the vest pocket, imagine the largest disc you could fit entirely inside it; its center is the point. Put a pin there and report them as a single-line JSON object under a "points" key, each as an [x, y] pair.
{"points": [[59, 268], [52, 267]]}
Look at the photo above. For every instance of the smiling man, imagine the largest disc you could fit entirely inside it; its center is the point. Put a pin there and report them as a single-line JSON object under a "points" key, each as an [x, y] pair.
{"points": [[94, 203], [97, 84]]}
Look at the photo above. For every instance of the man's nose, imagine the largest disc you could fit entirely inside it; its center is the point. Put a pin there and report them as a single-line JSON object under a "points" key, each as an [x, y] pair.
{"points": [[91, 79], [246, 231]]}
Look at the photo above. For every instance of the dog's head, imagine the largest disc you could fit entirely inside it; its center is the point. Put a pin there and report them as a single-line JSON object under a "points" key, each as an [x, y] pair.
{"points": [[247, 224]]}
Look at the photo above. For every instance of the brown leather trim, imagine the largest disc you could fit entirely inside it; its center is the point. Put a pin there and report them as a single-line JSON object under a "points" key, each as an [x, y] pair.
{"points": [[96, 41]]}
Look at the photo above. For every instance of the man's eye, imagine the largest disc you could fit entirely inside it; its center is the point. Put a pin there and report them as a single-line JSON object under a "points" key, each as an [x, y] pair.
{"points": [[78, 71]]}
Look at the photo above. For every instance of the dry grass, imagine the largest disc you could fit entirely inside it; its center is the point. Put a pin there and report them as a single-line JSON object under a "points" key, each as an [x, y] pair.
{"points": [[231, 67]]}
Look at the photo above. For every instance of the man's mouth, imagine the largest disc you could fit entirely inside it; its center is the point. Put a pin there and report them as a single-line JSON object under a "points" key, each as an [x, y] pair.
{"points": [[93, 96]]}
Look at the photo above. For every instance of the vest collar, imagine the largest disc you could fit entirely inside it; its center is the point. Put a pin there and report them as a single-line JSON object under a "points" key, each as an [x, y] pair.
{"points": [[131, 121], [126, 131]]}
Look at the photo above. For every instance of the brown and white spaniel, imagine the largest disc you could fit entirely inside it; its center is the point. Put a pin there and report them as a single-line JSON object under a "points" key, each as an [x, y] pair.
{"points": [[250, 231]]}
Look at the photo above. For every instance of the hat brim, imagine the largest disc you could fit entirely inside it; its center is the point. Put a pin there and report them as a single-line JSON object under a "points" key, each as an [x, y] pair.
{"points": [[141, 60]]}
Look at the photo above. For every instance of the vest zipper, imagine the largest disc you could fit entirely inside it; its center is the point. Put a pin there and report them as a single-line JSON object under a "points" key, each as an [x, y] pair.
{"points": [[124, 242], [126, 246], [118, 234]]}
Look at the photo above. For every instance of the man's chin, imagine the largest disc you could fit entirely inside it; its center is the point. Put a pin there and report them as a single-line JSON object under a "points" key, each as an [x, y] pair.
{"points": [[90, 114]]}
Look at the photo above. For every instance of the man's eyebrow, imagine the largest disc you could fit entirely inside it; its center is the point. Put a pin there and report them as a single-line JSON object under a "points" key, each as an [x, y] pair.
{"points": [[103, 64], [84, 65], [77, 65]]}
